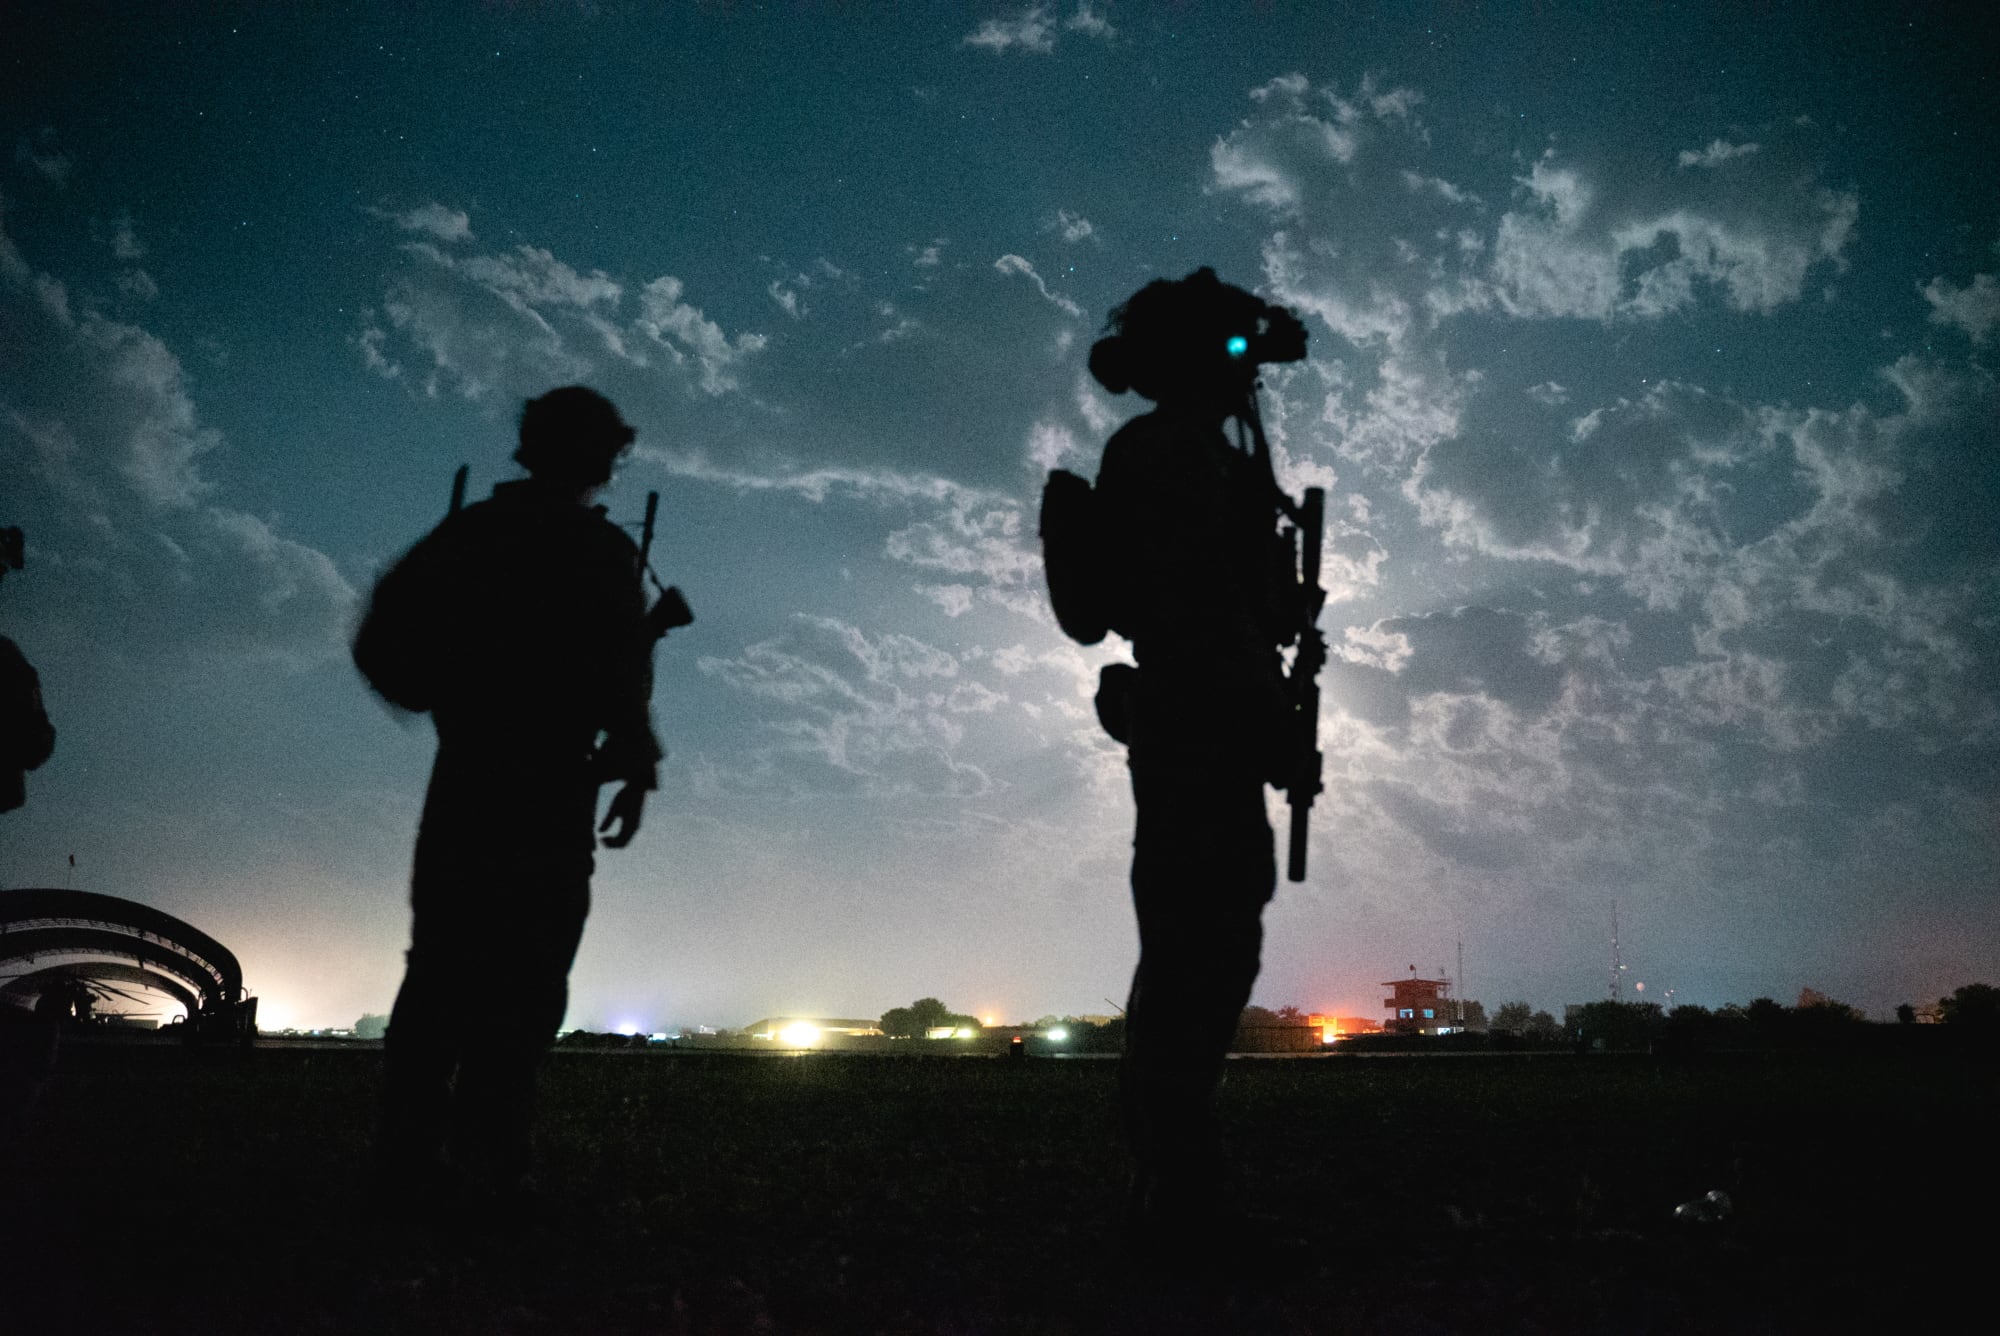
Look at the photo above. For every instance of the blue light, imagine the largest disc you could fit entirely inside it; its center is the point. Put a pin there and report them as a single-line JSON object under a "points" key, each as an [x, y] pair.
{"points": [[1238, 345]]}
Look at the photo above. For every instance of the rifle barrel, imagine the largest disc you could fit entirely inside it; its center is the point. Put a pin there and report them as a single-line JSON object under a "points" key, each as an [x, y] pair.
{"points": [[1311, 657], [1295, 865]]}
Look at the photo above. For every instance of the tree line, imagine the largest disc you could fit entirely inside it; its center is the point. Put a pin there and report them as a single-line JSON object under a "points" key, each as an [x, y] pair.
{"points": [[1618, 1024]]}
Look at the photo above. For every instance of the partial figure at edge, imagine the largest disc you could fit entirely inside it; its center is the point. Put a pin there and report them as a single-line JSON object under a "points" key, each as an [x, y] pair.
{"points": [[1179, 548], [27, 738], [520, 624]]}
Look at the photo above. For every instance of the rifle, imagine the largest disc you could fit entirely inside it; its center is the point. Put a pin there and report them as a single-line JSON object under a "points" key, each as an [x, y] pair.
{"points": [[1303, 759], [669, 610]]}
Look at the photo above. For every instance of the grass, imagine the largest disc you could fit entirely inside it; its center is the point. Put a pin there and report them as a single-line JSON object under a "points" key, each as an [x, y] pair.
{"points": [[156, 1190]]}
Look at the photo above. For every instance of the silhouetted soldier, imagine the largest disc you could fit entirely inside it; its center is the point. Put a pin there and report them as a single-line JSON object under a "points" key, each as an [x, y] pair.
{"points": [[519, 623], [26, 737], [1197, 576]]}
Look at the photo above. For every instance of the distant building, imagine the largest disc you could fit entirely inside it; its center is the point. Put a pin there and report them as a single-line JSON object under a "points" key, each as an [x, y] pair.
{"points": [[1418, 1006], [1332, 1027], [809, 1031], [1285, 1036]]}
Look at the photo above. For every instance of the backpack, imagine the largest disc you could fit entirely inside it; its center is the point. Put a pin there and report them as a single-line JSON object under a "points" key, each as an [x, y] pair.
{"points": [[401, 642], [1074, 557]]}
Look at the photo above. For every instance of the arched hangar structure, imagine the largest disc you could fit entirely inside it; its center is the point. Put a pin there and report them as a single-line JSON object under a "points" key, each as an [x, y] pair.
{"points": [[50, 936]]}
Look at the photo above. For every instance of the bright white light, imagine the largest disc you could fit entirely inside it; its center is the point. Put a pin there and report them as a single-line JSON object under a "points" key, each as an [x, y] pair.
{"points": [[660, 1038], [965, 1034], [1058, 1034], [627, 1028], [274, 1018], [799, 1034], [989, 1021]]}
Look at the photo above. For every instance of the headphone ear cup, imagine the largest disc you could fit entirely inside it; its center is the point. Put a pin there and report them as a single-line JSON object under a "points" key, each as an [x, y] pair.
{"points": [[1109, 363]]}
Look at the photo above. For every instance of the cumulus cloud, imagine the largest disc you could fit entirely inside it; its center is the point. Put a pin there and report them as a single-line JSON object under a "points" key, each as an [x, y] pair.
{"points": [[1071, 227], [125, 243], [1618, 492], [1682, 607], [970, 538], [1052, 445], [511, 321], [436, 220], [895, 326], [978, 539], [787, 299], [1828, 563], [370, 341], [667, 321], [1420, 184], [955, 600], [1718, 152], [1469, 651], [103, 431], [1257, 161], [138, 284], [40, 152], [529, 279], [1014, 264], [1974, 308], [1380, 243], [1089, 22], [876, 485], [1415, 402], [1034, 29], [1029, 30], [1361, 315], [882, 714], [984, 543], [1569, 254], [1290, 156]]}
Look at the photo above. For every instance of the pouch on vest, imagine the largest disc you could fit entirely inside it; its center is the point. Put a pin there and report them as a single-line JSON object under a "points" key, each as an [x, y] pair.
{"points": [[1117, 700], [1073, 557]]}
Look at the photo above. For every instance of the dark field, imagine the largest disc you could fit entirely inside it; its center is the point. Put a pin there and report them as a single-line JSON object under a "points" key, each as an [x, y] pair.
{"points": [[157, 1190]]}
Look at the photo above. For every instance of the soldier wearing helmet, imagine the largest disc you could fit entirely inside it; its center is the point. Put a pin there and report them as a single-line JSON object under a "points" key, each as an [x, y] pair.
{"points": [[519, 625], [1198, 579]]}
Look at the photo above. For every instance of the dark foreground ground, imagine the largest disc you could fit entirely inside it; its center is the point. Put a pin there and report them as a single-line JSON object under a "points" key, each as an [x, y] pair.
{"points": [[157, 1191]]}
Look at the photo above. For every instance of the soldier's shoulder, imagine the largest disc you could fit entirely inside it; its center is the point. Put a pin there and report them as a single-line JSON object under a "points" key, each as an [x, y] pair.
{"points": [[1148, 451], [603, 529], [1128, 444]]}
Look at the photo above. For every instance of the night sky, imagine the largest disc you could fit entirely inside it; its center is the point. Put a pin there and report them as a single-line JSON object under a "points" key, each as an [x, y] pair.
{"points": [[1652, 382]]}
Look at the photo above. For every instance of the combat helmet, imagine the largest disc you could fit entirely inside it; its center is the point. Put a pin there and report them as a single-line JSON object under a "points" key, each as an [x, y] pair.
{"points": [[572, 435], [1174, 334]]}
